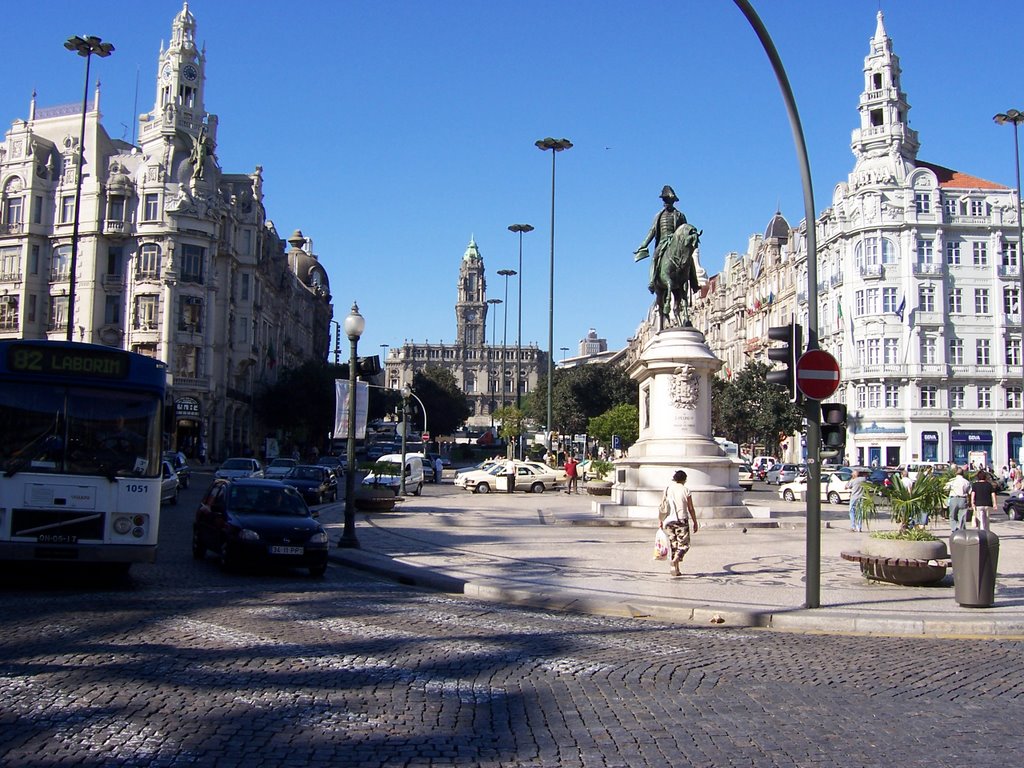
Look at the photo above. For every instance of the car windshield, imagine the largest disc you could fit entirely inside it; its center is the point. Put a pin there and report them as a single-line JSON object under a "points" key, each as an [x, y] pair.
{"points": [[266, 500], [237, 464]]}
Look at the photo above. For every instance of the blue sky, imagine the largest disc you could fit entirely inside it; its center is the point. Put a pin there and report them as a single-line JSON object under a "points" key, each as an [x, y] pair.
{"points": [[393, 132]]}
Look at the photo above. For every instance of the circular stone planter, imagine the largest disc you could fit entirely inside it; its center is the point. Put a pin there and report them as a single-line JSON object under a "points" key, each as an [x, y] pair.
{"points": [[895, 550], [599, 487], [370, 499]]}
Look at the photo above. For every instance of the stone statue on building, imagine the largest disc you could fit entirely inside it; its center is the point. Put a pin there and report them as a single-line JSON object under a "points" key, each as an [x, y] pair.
{"points": [[200, 151], [675, 269]]}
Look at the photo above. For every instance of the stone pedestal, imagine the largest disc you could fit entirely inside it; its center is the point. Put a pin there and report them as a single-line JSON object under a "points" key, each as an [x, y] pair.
{"points": [[673, 371]]}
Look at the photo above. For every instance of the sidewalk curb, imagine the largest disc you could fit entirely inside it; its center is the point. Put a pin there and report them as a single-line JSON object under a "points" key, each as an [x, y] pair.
{"points": [[681, 611]]}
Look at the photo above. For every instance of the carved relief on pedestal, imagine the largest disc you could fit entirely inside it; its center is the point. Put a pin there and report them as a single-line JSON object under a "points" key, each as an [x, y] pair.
{"points": [[685, 388]]}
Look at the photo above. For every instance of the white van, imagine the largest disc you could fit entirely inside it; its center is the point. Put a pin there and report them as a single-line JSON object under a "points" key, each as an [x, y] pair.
{"points": [[384, 472]]}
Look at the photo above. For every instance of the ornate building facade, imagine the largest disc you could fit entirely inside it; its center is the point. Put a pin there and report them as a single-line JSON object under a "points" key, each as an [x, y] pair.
{"points": [[176, 259], [918, 292], [485, 373]]}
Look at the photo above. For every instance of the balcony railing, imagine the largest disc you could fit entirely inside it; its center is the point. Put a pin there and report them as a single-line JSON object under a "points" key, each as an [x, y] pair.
{"points": [[872, 271], [927, 268], [12, 228], [1007, 270], [836, 279]]}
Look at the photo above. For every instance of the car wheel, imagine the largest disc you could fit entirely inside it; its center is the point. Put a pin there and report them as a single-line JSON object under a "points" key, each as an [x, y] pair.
{"points": [[419, 490], [198, 550], [317, 571], [833, 498], [482, 488], [787, 494], [537, 488]]}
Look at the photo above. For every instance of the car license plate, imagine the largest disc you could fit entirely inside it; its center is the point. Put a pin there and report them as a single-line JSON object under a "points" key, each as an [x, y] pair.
{"points": [[277, 550], [56, 538]]}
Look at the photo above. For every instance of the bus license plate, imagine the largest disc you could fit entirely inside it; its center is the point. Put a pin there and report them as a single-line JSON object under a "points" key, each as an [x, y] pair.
{"points": [[56, 538], [276, 550]]}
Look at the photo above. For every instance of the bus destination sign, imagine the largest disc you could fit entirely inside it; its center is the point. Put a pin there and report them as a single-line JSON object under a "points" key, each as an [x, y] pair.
{"points": [[67, 361]]}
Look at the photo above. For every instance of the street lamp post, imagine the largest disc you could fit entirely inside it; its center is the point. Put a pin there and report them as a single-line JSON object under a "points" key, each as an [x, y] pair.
{"points": [[556, 146], [564, 350], [520, 229], [405, 436], [83, 46], [506, 273], [355, 324], [1016, 117], [494, 343]]}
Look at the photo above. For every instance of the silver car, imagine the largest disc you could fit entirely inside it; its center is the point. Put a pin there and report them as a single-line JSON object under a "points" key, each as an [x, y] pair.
{"points": [[784, 473]]}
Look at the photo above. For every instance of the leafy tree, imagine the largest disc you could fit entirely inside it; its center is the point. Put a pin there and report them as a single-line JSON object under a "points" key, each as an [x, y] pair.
{"points": [[512, 423], [750, 410], [446, 404], [579, 394], [622, 420]]}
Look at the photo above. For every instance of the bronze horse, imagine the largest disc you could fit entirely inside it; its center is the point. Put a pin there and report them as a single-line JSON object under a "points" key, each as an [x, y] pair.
{"points": [[675, 277]]}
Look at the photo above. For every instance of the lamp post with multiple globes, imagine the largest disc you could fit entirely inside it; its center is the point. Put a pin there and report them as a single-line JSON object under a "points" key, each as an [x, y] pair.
{"points": [[354, 326]]}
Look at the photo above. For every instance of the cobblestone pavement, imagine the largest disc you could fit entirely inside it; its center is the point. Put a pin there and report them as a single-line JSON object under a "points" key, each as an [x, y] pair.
{"points": [[184, 665]]}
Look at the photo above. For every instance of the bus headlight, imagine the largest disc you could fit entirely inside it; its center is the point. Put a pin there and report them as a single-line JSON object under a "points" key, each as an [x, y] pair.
{"points": [[122, 525]]}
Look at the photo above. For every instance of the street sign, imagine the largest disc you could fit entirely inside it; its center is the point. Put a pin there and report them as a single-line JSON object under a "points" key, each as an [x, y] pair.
{"points": [[425, 436], [817, 374]]}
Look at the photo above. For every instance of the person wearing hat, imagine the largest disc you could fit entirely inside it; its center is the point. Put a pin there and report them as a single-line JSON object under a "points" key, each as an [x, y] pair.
{"points": [[661, 233], [678, 511]]}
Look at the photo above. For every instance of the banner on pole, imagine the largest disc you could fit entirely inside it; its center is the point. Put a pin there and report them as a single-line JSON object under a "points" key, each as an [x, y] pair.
{"points": [[341, 408]]}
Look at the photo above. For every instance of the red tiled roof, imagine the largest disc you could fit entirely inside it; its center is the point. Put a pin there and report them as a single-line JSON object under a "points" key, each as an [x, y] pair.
{"points": [[957, 180]]}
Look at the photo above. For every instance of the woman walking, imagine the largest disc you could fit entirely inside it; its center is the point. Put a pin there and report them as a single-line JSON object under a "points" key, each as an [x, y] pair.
{"points": [[674, 517]]}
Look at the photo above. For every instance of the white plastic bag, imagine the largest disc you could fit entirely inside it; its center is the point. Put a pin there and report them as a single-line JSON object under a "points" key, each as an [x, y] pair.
{"points": [[661, 547]]}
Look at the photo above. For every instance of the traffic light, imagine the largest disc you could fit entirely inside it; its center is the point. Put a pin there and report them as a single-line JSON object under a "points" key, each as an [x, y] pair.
{"points": [[833, 431], [793, 335], [369, 366]]}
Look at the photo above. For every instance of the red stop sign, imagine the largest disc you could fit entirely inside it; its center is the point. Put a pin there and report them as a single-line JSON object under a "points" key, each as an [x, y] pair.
{"points": [[817, 374]]}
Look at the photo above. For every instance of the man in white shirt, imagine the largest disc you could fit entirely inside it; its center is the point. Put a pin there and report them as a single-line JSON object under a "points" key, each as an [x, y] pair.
{"points": [[959, 488]]}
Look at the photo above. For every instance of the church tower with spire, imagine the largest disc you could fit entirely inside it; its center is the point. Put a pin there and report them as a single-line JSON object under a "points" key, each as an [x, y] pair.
{"points": [[885, 146]]}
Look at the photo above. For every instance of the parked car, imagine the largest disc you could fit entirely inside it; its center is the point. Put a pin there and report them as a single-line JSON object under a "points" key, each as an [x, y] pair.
{"points": [[257, 521], [279, 467], [337, 464], [377, 450], [1013, 505], [181, 467], [315, 483], [169, 483], [784, 473], [530, 476], [385, 472], [746, 476], [881, 477], [761, 464], [833, 489], [239, 467]]}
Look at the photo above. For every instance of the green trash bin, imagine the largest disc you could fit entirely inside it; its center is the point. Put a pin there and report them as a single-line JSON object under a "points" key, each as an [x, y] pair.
{"points": [[975, 556]]}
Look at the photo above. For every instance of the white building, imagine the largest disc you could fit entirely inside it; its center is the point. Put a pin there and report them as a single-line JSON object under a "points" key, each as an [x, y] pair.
{"points": [[176, 259], [918, 292]]}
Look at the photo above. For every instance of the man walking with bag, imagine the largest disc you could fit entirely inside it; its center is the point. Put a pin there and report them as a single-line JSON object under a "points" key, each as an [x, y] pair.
{"points": [[674, 516]]}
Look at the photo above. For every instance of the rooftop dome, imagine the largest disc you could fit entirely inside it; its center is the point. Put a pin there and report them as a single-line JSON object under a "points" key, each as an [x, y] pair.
{"points": [[778, 227]]}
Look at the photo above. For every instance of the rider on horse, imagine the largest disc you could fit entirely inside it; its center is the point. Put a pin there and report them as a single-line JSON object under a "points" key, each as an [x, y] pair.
{"points": [[663, 231]]}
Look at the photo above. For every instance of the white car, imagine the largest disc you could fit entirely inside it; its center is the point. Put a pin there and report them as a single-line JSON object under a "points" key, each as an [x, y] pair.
{"points": [[279, 467], [833, 489], [169, 483], [239, 467], [529, 477]]}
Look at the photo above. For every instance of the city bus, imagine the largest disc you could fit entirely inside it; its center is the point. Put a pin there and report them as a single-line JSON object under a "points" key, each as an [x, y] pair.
{"points": [[80, 460]]}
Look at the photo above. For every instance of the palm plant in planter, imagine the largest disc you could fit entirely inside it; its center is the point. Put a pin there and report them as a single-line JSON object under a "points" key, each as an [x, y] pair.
{"points": [[908, 541], [379, 495], [600, 486]]}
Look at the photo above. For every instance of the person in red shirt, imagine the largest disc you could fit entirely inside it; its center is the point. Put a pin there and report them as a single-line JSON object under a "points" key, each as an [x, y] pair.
{"points": [[572, 473]]}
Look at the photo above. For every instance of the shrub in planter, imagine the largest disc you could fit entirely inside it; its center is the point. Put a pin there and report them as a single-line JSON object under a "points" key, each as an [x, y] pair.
{"points": [[600, 485]]}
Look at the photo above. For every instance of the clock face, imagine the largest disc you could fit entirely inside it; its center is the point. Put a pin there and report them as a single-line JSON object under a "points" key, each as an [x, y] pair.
{"points": [[190, 72], [166, 72]]}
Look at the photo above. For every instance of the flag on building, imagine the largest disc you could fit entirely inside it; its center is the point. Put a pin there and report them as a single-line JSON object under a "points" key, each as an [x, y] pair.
{"points": [[900, 309]]}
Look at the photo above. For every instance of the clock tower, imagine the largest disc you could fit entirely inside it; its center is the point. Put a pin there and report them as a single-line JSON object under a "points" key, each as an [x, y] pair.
{"points": [[471, 305]]}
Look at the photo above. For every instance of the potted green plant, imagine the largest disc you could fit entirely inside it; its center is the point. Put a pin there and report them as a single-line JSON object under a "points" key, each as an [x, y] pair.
{"points": [[598, 470], [380, 494], [908, 540]]}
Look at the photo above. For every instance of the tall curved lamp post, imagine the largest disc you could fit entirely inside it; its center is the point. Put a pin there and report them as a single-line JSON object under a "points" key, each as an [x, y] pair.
{"points": [[405, 436], [1015, 117], [87, 47], [494, 331], [556, 146], [520, 229], [354, 326], [506, 273]]}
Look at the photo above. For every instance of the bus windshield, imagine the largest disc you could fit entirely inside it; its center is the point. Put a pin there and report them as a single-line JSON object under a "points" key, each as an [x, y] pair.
{"points": [[74, 430]]}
